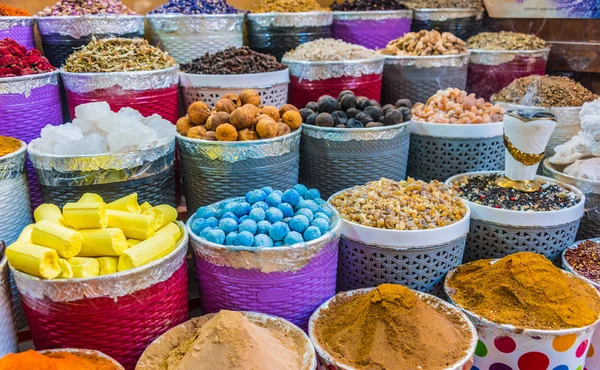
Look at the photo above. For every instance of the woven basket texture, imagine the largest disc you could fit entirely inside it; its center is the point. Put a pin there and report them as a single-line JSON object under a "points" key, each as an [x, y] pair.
{"points": [[121, 328], [490, 240], [435, 158], [155, 189], [279, 40], [292, 296], [23, 35], [185, 48], [331, 166], [276, 95], [462, 28], [8, 334], [419, 268]]}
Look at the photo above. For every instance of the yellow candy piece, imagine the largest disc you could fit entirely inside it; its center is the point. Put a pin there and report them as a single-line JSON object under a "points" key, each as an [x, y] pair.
{"points": [[49, 212], [90, 198], [145, 206], [173, 229], [128, 203], [84, 267], [169, 214], [108, 265], [66, 242], [134, 225], [86, 215], [132, 242], [25, 235], [102, 242], [156, 216], [147, 251], [34, 260], [66, 269]]}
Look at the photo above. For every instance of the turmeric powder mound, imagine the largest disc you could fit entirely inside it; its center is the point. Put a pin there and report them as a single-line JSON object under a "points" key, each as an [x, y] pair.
{"points": [[392, 328], [525, 290], [54, 361], [8, 145]]}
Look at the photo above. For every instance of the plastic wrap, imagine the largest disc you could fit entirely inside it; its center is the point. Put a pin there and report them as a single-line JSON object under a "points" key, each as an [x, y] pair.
{"points": [[85, 352], [161, 348], [8, 333], [328, 361], [15, 209], [19, 29], [24, 85], [463, 23], [308, 70], [371, 29]]}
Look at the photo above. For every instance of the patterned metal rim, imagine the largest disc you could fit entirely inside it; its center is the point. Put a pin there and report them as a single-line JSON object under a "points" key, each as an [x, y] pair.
{"points": [[565, 116], [357, 131], [88, 16], [331, 63], [193, 141], [443, 14], [457, 131], [208, 16], [4, 80], [288, 20], [506, 51], [88, 352], [387, 14], [141, 74], [254, 80], [390, 58], [567, 266], [16, 153]]}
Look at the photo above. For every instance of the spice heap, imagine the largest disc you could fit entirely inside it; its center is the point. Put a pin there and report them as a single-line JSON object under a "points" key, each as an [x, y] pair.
{"points": [[230, 341], [585, 260], [118, 55], [400, 205], [287, 6], [350, 111], [425, 43], [505, 41], [456, 106], [98, 130], [545, 91], [9, 11], [366, 5], [437, 4], [525, 290], [196, 7], [8, 145], [329, 50], [15, 60], [85, 7], [92, 238], [55, 361], [391, 327], [233, 61], [238, 118], [482, 189], [266, 218]]}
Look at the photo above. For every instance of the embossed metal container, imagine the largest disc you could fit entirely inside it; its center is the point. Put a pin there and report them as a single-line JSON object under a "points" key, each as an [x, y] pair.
{"points": [[462, 22], [278, 33], [62, 35], [187, 37], [215, 170], [19, 29], [371, 29], [333, 159]]}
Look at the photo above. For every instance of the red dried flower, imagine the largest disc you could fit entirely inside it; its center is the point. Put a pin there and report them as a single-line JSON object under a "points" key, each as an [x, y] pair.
{"points": [[15, 60]]}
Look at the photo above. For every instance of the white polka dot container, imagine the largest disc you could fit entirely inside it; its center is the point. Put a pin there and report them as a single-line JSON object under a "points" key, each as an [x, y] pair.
{"points": [[506, 347]]}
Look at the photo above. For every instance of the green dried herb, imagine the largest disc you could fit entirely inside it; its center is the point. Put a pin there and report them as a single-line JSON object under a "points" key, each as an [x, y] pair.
{"points": [[505, 41]]}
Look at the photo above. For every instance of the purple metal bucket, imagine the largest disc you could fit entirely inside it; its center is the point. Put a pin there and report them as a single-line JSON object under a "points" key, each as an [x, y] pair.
{"points": [[19, 29], [27, 104], [371, 29]]}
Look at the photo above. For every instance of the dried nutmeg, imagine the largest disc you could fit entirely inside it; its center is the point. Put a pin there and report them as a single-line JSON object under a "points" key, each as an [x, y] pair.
{"points": [[198, 112], [292, 118], [285, 108], [270, 111], [226, 132], [241, 118], [250, 96], [225, 105], [234, 98], [211, 136], [247, 135], [283, 129], [197, 132], [266, 128], [184, 125]]}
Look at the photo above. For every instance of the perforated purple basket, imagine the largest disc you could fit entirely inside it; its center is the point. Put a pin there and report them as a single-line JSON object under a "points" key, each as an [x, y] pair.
{"points": [[288, 282], [19, 29], [371, 29]]}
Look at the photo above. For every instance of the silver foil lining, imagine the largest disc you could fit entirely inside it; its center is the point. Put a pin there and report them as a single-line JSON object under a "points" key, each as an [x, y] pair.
{"points": [[358, 134], [25, 84], [182, 24], [235, 151], [267, 260], [433, 61], [375, 15], [301, 19], [445, 14], [497, 57], [10, 22], [565, 116], [136, 80], [87, 25], [56, 170], [13, 165], [109, 286], [311, 71]]}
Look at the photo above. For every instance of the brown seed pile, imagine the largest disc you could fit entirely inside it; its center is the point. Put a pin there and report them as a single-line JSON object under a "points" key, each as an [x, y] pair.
{"points": [[505, 41], [400, 205], [425, 43], [287, 6], [456, 106], [233, 61]]}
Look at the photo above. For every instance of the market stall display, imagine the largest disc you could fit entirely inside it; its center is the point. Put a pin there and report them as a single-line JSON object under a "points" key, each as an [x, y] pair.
{"points": [[547, 318], [415, 244], [454, 133], [17, 24], [240, 143], [108, 153], [123, 73], [358, 137], [233, 70], [392, 327], [498, 58], [463, 18], [115, 268], [64, 358], [419, 64], [8, 333], [328, 67], [223, 340], [271, 251]]}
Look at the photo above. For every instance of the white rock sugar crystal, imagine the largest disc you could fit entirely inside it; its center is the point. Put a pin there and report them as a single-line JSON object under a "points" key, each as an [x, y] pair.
{"points": [[585, 169], [98, 130]]}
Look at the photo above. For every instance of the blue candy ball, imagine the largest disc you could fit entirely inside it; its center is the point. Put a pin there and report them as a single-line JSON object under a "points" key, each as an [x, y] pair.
{"points": [[212, 221], [286, 220], [216, 236], [301, 189], [278, 243], [242, 219], [230, 207], [321, 215], [326, 209], [204, 233], [230, 239], [228, 225], [273, 199], [278, 192], [262, 240], [262, 227], [319, 201], [254, 196], [273, 215], [245, 239], [299, 223], [312, 194], [291, 196], [262, 205], [312, 233], [230, 215], [293, 238], [306, 212], [278, 231], [199, 224], [267, 190], [286, 209], [248, 225], [206, 212], [243, 209], [322, 224], [308, 204], [257, 214]]}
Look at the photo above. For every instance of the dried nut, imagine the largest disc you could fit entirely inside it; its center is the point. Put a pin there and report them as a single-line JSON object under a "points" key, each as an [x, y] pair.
{"points": [[456, 106], [259, 117], [392, 117], [250, 96], [226, 132], [266, 128], [215, 120], [271, 112], [253, 109], [197, 132], [247, 135], [293, 119], [198, 112], [283, 129], [241, 118], [286, 108], [225, 105], [324, 120], [234, 98], [184, 125], [211, 136]]}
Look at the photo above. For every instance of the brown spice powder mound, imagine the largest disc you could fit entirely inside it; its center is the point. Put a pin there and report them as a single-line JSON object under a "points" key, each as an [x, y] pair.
{"points": [[525, 290], [392, 328]]}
